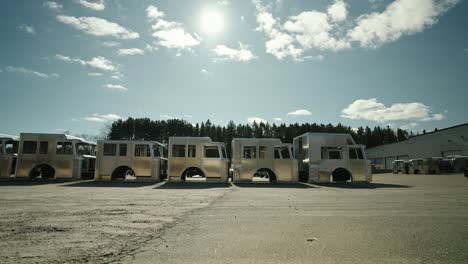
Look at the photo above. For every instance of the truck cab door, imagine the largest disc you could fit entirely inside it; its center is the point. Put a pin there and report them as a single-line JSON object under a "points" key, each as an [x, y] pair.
{"points": [[357, 163]]}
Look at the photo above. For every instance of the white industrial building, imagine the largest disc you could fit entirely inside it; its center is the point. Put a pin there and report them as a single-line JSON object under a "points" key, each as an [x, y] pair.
{"points": [[441, 143]]}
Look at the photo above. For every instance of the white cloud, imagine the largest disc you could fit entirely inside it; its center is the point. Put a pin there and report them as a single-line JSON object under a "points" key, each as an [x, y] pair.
{"points": [[165, 116], [373, 110], [409, 126], [103, 118], [170, 34], [337, 12], [278, 119], [116, 77], [98, 62], [97, 6], [206, 72], [129, 52], [30, 72], [257, 120], [242, 54], [97, 27], [224, 3], [242, 18], [27, 29], [53, 5], [300, 112], [115, 87], [110, 44], [312, 30], [305, 31], [402, 17], [94, 74], [188, 116]]}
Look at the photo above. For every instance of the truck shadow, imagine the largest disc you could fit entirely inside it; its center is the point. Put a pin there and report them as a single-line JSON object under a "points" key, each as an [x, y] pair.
{"points": [[113, 184], [274, 185], [191, 185], [362, 185], [32, 182]]}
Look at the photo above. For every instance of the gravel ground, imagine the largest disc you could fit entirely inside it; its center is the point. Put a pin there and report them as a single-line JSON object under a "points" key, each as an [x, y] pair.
{"points": [[396, 219]]}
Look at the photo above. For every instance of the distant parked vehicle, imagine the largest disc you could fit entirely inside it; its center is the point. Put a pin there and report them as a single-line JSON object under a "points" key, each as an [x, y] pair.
{"points": [[416, 166], [459, 163], [398, 166], [8, 155], [55, 156], [130, 160]]}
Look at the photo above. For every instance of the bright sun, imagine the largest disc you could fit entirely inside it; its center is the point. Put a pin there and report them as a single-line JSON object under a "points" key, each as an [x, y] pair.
{"points": [[212, 21]]}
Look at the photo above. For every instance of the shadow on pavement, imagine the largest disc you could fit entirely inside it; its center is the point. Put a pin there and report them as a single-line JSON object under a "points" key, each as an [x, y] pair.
{"points": [[31, 182], [115, 184], [273, 185], [362, 185], [192, 185]]}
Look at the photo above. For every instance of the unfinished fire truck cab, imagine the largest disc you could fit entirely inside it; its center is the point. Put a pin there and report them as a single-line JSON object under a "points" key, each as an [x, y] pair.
{"points": [[8, 155], [331, 157], [197, 159], [266, 158], [55, 156], [130, 160]]}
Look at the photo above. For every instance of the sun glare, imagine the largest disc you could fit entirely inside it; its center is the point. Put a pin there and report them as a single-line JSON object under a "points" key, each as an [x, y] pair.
{"points": [[211, 21]]}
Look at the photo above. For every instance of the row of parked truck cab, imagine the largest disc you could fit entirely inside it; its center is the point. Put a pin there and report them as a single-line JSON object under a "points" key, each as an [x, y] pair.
{"points": [[313, 157]]}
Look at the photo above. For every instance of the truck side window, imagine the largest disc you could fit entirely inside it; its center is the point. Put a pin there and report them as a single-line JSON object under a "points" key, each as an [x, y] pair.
{"points": [[110, 149], [178, 151], [352, 153], [122, 150], [277, 153], [64, 148], [11, 147], [156, 151], [334, 154], [29, 147], [250, 152], [43, 147], [211, 152], [359, 153], [262, 152], [1, 147], [142, 150], [285, 153], [192, 151]]}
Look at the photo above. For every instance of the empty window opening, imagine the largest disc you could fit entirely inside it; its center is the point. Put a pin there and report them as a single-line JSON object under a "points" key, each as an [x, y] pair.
{"points": [[64, 148], [43, 147], [211, 152], [29, 147], [142, 150], [178, 151], [11, 147], [262, 152], [109, 149], [192, 151], [122, 150], [157, 151], [250, 152]]}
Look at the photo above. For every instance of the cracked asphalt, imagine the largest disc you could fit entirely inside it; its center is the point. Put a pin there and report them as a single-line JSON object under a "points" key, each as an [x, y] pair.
{"points": [[397, 219]]}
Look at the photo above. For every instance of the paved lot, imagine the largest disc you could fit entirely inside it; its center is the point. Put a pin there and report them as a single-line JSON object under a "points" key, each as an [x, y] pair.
{"points": [[397, 219]]}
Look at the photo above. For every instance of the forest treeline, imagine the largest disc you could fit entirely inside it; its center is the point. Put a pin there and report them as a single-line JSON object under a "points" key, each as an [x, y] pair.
{"points": [[161, 130]]}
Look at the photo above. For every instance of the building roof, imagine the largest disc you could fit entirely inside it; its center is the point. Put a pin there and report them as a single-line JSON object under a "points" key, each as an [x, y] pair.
{"points": [[422, 135]]}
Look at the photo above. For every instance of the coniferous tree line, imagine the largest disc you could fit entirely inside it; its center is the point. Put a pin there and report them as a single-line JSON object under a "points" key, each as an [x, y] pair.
{"points": [[161, 130]]}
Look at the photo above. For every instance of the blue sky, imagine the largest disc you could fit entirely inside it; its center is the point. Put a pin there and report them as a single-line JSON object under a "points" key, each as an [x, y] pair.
{"points": [[78, 65]]}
